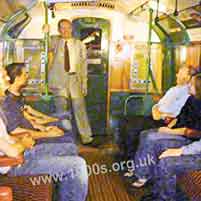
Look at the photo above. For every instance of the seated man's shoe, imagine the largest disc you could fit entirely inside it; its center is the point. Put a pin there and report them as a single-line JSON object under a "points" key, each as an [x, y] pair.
{"points": [[86, 139], [129, 174], [139, 183]]}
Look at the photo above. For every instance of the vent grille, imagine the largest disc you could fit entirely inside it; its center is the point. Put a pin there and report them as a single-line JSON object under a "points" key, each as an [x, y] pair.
{"points": [[110, 4]]}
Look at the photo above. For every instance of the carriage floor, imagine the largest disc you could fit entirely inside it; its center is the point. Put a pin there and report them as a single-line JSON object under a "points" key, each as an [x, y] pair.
{"points": [[105, 186]]}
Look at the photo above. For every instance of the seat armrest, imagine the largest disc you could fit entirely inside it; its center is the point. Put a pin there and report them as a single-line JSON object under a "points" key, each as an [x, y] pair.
{"points": [[9, 161]]}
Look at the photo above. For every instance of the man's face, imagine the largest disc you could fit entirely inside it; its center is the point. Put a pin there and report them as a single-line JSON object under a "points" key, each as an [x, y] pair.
{"points": [[4, 79], [65, 29], [22, 79], [183, 76]]}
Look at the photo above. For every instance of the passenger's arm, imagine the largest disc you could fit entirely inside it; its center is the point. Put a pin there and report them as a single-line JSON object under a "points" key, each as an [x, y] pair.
{"points": [[37, 122], [192, 133], [11, 150], [157, 114], [158, 110], [32, 114], [26, 140], [187, 132], [51, 131], [172, 152], [175, 131]]}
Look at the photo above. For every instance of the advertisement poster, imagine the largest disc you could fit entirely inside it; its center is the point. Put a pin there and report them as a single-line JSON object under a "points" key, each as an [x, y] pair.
{"points": [[122, 52], [139, 69]]}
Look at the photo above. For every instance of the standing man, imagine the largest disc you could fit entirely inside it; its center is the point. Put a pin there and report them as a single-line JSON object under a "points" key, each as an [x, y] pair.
{"points": [[68, 76]]}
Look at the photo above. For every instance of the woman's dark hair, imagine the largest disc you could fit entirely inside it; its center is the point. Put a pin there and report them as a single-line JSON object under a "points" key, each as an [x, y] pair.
{"points": [[196, 70], [14, 70], [197, 85]]}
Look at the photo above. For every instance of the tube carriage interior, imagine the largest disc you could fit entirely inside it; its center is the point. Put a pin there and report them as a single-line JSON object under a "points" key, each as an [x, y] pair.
{"points": [[134, 49]]}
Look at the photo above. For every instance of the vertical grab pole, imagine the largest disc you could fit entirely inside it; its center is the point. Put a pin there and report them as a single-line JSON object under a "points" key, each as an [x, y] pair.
{"points": [[46, 48], [150, 74], [149, 48]]}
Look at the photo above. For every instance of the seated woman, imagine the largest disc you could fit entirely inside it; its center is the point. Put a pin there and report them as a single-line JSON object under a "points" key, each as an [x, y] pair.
{"points": [[172, 151], [70, 172]]}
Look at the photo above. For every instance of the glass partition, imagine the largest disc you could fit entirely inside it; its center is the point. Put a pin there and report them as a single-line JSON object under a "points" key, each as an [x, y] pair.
{"points": [[30, 52]]}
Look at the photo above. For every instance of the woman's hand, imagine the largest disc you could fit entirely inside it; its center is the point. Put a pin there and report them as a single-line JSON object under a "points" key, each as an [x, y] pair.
{"points": [[164, 130], [171, 153], [174, 131]]}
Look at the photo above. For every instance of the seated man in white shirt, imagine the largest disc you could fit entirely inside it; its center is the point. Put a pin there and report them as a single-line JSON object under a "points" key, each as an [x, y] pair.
{"points": [[172, 102]]}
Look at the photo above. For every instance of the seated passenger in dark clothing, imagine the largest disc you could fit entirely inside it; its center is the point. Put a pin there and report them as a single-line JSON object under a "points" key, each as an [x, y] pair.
{"points": [[46, 158], [13, 106], [189, 118]]}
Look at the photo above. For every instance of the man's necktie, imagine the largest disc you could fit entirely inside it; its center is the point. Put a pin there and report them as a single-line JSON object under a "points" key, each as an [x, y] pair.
{"points": [[66, 58]]}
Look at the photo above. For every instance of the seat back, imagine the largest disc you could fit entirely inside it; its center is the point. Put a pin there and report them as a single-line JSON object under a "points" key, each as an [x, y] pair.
{"points": [[6, 193]]}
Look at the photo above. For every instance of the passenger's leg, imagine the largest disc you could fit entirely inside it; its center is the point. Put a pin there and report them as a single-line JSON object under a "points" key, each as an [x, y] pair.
{"points": [[51, 149], [150, 149], [81, 118], [166, 171], [70, 171]]}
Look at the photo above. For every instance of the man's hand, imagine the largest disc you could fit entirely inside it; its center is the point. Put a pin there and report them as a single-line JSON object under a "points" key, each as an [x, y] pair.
{"points": [[41, 121], [46, 28], [171, 153], [38, 126], [26, 108], [19, 130], [53, 131], [84, 91], [15, 150], [36, 116], [156, 113], [28, 142]]}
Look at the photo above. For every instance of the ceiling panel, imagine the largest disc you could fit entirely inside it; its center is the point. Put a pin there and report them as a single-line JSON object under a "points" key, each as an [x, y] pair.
{"points": [[182, 4]]}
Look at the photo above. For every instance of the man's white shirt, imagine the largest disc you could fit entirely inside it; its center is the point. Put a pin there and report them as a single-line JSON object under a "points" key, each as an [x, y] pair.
{"points": [[174, 99]]}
